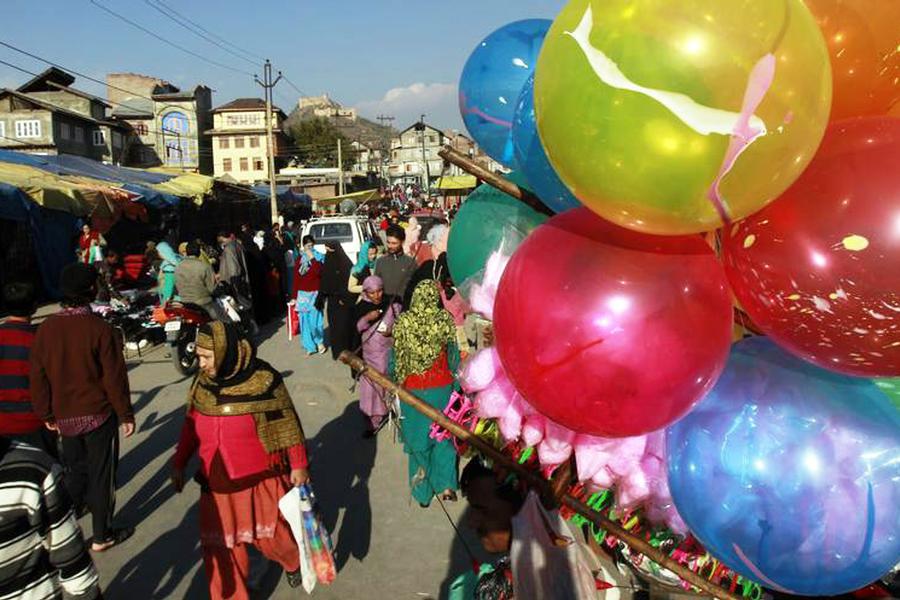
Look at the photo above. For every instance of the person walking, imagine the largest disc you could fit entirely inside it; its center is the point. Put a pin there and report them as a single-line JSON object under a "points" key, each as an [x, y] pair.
{"points": [[79, 388], [168, 266], [233, 269], [334, 293], [395, 268], [424, 359], [42, 551], [375, 316], [195, 282], [307, 279], [17, 418], [242, 424], [364, 267]]}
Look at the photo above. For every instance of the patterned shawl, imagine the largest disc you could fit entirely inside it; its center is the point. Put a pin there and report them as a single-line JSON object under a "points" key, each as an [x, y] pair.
{"points": [[246, 385], [422, 332]]}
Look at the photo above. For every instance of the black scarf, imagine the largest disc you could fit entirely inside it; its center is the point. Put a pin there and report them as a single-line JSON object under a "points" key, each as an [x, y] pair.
{"points": [[335, 271]]}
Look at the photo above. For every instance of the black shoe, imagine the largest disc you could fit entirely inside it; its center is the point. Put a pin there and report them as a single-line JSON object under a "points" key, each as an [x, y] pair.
{"points": [[116, 537], [294, 578]]}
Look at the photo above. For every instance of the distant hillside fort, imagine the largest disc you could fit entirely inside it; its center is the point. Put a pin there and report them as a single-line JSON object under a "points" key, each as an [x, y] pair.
{"points": [[323, 106]]}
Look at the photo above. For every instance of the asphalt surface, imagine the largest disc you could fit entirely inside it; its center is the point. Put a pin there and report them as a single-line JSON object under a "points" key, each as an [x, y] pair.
{"points": [[386, 546]]}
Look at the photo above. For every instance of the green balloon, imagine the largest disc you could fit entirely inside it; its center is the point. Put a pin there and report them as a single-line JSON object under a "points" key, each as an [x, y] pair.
{"points": [[891, 389], [486, 219]]}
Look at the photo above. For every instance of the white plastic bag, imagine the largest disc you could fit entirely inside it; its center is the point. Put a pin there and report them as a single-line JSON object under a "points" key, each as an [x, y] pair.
{"points": [[292, 509], [548, 563]]}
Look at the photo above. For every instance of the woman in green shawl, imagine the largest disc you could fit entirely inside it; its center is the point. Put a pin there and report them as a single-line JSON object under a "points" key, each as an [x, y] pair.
{"points": [[424, 360], [166, 278]]}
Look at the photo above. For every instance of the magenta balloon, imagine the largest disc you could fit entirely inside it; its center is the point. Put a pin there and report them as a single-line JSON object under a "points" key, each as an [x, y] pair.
{"points": [[609, 331]]}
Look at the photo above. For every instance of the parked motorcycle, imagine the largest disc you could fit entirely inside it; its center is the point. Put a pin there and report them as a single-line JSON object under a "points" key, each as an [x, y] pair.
{"points": [[181, 322]]}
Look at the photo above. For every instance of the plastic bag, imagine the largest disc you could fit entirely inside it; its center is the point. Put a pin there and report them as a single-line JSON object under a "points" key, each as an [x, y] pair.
{"points": [[293, 321], [316, 552], [548, 563]]}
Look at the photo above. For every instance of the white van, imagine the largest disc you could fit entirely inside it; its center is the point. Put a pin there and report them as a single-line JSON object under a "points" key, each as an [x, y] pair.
{"points": [[351, 232]]}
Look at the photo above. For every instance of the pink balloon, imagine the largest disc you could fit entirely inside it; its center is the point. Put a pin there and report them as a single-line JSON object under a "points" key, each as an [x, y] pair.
{"points": [[609, 331]]}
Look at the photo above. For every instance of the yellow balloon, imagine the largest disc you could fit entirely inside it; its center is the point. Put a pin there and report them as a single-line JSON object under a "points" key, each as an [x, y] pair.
{"points": [[680, 116]]}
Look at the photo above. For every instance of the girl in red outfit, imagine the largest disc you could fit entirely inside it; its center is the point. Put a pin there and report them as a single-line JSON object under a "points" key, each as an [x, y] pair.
{"points": [[242, 423]]}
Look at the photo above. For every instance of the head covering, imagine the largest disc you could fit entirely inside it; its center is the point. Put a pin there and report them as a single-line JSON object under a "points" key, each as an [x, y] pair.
{"points": [[335, 271], [362, 262], [170, 258], [77, 283], [245, 385], [422, 332], [365, 304], [372, 283]]}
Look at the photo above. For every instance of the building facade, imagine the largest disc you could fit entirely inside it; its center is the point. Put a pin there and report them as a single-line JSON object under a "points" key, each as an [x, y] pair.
{"points": [[366, 159], [414, 155], [240, 143], [170, 124], [48, 116]]}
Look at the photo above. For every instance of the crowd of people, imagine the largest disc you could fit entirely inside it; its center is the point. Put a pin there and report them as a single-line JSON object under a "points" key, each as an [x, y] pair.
{"points": [[65, 397]]}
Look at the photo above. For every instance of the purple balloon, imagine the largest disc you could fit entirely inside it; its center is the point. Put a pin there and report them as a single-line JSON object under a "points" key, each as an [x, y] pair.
{"points": [[790, 474]]}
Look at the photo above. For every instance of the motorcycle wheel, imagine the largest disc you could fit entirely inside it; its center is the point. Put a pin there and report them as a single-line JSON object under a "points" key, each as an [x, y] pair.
{"points": [[184, 353]]}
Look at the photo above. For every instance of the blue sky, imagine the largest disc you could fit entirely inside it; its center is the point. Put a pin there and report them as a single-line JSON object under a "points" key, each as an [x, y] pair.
{"points": [[396, 57]]}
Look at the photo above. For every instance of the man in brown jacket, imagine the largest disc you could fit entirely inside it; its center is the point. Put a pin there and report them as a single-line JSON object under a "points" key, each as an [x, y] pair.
{"points": [[79, 387]]}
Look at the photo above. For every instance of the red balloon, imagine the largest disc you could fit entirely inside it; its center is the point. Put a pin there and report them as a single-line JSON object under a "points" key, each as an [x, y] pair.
{"points": [[609, 331], [863, 39], [819, 269]]}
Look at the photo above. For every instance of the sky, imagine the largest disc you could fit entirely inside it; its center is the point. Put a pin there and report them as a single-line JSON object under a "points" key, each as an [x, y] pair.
{"points": [[400, 58]]}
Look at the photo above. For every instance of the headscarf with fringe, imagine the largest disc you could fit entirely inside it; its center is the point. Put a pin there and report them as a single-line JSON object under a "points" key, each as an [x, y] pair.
{"points": [[246, 385]]}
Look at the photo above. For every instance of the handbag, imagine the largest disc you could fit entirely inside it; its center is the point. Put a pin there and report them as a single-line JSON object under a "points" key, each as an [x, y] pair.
{"points": [[300, 510]]}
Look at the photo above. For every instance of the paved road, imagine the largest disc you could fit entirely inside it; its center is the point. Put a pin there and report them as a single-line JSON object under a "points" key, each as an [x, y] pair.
{"points": [[386, 545]]}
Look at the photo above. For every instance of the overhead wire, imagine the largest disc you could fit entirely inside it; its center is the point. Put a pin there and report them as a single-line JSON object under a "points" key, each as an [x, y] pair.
{"points": [[165, 40], [207, 31]]}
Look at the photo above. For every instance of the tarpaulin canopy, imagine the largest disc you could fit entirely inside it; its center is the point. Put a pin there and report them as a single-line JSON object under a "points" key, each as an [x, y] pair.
{"points": [[136, 181], [285, 194], [52, 233], [189, 185], [457, 182]]}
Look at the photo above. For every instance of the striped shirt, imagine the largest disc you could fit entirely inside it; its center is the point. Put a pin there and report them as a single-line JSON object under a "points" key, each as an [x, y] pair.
{"points": [[42, 552], [16, 412]]}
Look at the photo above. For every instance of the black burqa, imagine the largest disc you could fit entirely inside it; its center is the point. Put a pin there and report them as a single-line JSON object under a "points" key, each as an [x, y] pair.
{"points": [[437, 270], [340, 303]]}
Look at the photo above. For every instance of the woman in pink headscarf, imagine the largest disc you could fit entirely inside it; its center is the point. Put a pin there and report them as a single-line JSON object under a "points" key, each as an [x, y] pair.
{"points": [[375, 321]]}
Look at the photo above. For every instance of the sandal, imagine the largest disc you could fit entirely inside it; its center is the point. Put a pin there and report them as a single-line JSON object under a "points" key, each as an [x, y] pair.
{"points": [[118, 536]]}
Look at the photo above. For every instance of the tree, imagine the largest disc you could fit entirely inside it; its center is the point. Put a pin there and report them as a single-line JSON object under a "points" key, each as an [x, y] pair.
{"points": [[314, 142]]}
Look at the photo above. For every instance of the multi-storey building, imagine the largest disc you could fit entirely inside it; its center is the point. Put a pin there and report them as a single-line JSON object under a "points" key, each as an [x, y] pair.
{"points": [[240, 143], [414, 155]]}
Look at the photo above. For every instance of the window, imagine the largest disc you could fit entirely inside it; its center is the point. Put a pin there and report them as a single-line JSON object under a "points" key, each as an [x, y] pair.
{"points": [[65, 131], [224, 142], [99, 139], [243, 119], [331, 232], [239, 142], [245, 164], [28, 129], [226, 164], [254, 141], [258, 164], [79, 134], [141, 129]]}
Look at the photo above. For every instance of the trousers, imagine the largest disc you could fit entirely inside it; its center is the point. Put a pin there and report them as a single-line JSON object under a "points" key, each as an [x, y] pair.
{"points": [[91, 461]]}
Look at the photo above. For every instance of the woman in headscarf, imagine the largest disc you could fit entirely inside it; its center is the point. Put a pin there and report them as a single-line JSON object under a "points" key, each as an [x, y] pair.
{"points": [[166, 278], [242, 424], [333, 291], [424, 361], [375, 322], [307, 280], [365, 266]]}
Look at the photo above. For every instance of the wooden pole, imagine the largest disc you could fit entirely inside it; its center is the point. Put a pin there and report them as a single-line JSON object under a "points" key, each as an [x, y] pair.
{"points": [[506, 186], [534, 480]]}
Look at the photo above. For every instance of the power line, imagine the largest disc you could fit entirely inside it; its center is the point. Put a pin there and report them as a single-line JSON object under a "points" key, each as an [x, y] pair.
{"points": [[290, 83], [207, 31], [164, 40], [163, 12]]}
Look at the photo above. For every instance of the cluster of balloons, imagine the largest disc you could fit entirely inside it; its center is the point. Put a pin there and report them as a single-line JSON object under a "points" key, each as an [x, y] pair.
{"points": [[776, 125]]}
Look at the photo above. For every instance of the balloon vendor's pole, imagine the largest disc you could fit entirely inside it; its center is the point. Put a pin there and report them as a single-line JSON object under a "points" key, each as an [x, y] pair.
{"points": [[506, 186], [534, 480]]}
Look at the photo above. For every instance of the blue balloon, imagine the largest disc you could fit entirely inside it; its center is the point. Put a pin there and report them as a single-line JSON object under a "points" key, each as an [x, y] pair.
{"points": [[532, 159], [492, 80], [790, 474]]}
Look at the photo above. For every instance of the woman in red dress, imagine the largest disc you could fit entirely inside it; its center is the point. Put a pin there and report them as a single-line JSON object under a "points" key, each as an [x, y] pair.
{"points": [[241, 421]]}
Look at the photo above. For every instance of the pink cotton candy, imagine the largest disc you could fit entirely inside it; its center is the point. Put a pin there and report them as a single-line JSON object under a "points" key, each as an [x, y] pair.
{"points": [[533, 429], [627, 455], [511, 420], [632, 490], [479, 371], [556, 448], [493, 401], [591, 455], [603, 478]]}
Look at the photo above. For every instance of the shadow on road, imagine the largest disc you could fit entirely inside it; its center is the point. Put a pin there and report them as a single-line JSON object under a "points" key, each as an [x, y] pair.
{"points": [[341, 461]]}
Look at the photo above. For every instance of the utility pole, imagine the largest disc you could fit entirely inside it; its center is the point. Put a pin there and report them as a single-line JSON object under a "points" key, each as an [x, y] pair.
{"points": [[340, 169], [268, 84], [427, 186], [386, 147]]}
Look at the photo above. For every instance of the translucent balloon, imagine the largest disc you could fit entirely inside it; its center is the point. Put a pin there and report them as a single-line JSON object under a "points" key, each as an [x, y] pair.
{"points": [[492, 80], [818, 270], [676, 116], [532, 159], [863, 39], [790, 474], [488, 219], [608, 331]]}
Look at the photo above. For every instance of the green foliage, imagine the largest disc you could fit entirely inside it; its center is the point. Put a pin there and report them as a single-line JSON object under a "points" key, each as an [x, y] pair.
{"points": [[314, 142]]}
